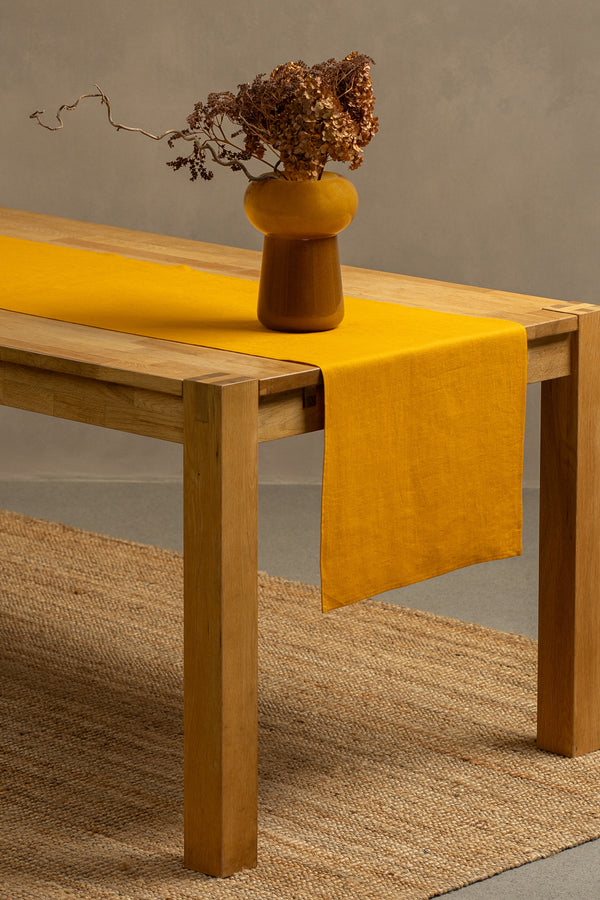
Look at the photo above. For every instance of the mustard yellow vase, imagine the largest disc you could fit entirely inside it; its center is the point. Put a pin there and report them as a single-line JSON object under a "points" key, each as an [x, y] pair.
{"points": [[300, 280]]}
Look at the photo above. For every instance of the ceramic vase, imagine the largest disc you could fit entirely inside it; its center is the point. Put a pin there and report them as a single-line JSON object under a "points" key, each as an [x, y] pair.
{"points": [[300, 282]]}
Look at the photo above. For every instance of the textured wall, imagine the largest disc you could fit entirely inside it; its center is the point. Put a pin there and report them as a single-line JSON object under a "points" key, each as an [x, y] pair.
{"points": [[484, 170]]}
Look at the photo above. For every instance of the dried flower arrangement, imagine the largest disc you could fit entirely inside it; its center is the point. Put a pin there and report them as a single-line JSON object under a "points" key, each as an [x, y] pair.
{"points": [[293, 121]]}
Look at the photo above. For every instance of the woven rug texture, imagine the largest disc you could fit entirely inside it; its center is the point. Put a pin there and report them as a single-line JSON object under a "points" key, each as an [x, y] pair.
{"points": [[397, 750]]}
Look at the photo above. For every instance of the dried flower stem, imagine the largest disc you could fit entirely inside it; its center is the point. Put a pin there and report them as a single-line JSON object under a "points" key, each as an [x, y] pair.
{"points": [[172, 132]]}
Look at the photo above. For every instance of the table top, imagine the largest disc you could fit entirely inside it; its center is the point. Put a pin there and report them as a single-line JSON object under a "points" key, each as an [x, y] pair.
{"points": [[153, 363]]}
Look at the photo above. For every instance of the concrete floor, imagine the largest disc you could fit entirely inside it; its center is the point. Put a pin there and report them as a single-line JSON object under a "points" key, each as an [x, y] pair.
{"points": [[501, 595]]}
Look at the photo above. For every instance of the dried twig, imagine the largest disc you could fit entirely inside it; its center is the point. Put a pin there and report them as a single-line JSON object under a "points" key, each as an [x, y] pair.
{"points": [[172, 132]]}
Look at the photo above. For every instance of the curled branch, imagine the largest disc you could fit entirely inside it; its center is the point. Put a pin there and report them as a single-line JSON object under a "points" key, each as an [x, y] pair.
{"points": [[105, 101], [171, 133], [40, 112]]}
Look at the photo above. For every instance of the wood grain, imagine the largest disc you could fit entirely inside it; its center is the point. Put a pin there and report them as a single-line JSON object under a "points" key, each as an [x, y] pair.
{"points": [[569, 587], [108, 405], [130, 359], [220, 624]]}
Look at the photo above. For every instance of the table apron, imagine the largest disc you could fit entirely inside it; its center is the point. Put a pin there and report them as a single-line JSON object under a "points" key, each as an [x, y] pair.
{"points": [[549, 358], [158, 414], [116, 406], [140, 411]]}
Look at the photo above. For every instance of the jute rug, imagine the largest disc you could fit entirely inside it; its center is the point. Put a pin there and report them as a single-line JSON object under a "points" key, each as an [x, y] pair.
{"points": [[397, 754]]}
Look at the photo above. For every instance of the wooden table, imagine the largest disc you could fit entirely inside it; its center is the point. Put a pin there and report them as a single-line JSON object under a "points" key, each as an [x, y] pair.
{"points": [[219, 405]]}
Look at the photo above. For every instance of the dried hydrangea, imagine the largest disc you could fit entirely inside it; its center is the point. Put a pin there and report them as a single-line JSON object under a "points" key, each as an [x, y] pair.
{"points": [[292, 121], [304, 116]]}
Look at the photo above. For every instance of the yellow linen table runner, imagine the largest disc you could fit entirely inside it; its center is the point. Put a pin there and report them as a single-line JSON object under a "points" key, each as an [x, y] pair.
{"points": [[424, 411]]}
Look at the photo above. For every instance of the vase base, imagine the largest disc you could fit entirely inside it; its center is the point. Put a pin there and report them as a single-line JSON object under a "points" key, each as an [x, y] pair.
{"points": [[300, 284]]}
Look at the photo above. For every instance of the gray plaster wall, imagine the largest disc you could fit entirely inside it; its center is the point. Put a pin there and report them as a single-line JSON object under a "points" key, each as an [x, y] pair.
{"points": [[484, 171]]}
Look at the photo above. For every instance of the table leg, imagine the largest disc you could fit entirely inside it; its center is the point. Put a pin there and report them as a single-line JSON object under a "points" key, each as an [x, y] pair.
{"points": [[569, 589], [220, 623]]}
